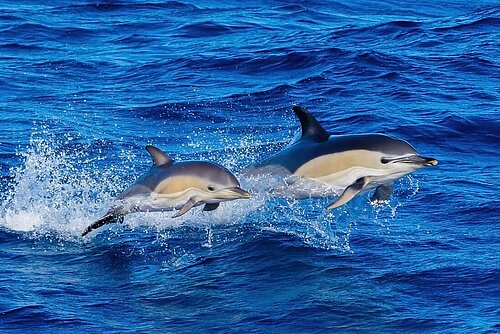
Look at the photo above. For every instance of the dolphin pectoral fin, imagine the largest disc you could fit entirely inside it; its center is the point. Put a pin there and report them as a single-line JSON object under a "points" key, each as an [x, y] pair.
{"points": [[382, 193], [107, 219], [210, 206], [185, 208], [349, 193]]}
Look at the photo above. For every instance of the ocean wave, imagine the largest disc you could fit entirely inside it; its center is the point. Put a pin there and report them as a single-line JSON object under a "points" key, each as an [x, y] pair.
{"points": [[68, 65], [471, 127], [179, 111], [21, 47], [27, 313], [33, 315], [374, 58], [446, 277], [271, 61], [208, 29], [278, 90], [295, 8], [487, 22], [268, 61], [468, 63], [7, 18], [127, 6], [38, 31], [392, 29]]}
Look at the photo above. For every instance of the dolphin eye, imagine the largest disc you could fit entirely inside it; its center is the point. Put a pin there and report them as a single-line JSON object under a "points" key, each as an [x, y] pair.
{"points": [[385, 161], [210, 188]]}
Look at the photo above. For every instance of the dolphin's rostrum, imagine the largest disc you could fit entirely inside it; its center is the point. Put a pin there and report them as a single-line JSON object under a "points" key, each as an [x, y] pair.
{"points": [[350, 163], [170, 185]]}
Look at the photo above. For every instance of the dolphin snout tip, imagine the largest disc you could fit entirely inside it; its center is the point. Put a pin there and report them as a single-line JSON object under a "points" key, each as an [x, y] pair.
{"points": [[431, 162], [245, 194]]}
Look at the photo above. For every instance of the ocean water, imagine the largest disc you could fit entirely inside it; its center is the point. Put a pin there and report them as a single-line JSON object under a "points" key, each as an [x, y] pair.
{"points": [[85, 85]]}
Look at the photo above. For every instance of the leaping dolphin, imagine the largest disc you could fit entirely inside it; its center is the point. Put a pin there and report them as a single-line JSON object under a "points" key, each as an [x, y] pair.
{"points": [[170, 185], [351, 163]]}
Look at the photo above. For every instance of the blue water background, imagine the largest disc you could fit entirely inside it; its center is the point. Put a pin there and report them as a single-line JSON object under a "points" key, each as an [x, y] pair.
{"points": [[85, 85]]}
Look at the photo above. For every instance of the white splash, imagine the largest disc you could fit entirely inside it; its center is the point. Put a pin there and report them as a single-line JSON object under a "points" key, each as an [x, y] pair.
{"points": [[58, 188], [62, 187]]}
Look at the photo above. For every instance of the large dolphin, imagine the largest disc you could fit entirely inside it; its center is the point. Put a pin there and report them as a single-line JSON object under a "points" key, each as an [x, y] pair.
{"points": [[350, 163], [170, 185]]}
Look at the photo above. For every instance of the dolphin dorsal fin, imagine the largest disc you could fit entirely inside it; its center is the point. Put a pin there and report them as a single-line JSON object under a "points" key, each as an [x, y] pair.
{"points": [[311, 129], [159, 157]]}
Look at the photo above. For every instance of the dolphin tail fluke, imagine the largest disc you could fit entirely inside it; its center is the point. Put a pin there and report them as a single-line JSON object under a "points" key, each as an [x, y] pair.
{"points": [[107, 219], [349, 193]]}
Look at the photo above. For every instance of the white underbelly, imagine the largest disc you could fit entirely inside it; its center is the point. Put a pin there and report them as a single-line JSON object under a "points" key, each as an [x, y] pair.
{"points": [[345, 178], [160, 202]]}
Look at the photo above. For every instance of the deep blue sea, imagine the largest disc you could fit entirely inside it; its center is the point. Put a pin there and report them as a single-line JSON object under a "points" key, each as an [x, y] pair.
{"points": [[85, 85]]}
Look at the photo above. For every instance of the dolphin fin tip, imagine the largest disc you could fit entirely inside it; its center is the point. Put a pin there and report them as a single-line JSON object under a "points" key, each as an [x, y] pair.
{"points": [[185, 208], [333, 205], [298, 108], [349, 193]]}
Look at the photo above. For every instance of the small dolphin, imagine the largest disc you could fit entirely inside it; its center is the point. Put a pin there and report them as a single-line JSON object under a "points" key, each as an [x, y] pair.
{"points": [[170, 185], [351, 163]]}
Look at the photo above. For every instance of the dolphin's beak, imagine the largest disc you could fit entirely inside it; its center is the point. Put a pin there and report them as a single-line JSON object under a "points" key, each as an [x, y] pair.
{"points": [[430, 162], [238, 192], [418, 160]]}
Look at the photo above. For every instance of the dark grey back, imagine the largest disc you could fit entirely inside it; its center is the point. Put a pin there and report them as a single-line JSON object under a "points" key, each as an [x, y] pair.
{"points": [[303, 151], [150, 180]]}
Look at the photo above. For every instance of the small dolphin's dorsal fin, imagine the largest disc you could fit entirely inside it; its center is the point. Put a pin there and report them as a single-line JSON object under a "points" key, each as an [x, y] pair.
{"points": [[159, 157], [311, 129]]}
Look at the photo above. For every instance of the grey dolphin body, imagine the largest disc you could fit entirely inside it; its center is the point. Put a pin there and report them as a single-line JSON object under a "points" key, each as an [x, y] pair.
{"points": [[351, 163], [170, 185]]}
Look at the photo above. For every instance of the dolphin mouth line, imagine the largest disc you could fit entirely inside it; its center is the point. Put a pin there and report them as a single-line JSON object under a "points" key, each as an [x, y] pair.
{"points": [[418, 160], [415, 160], [240, 193]]}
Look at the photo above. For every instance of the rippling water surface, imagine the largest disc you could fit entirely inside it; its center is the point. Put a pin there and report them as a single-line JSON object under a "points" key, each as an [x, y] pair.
{"points": [[85, 85]]}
